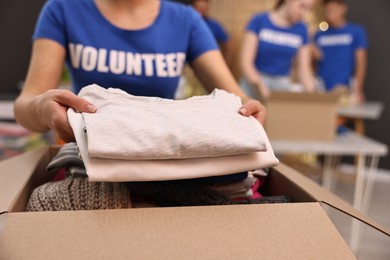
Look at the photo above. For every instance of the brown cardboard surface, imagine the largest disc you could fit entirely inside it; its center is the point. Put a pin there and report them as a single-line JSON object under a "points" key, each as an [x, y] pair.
{"points": [[276, 231], [322, 195], [301, 116], [16, 175], [304, 96]]}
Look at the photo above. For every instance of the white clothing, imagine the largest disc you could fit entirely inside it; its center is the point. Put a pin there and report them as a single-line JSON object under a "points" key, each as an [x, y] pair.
{"points": [[112, 170], [148, 128]]}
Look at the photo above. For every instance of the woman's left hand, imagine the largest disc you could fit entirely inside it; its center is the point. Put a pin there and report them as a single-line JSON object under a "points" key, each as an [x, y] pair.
{"points": [[254, 108]]}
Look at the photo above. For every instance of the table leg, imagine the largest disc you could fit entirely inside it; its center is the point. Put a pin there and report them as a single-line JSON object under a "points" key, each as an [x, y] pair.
{"points": [[362, 195], [328, 172], [359, 197], [359, 126], [359, 184], [371, 177]]}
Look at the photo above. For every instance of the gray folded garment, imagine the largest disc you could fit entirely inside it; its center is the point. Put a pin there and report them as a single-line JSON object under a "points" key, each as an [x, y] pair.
{"points": [[239, 195], [235, 187], [68, 158]]}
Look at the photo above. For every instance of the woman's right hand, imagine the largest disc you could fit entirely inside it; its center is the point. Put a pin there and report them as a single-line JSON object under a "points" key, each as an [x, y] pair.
{"points": [[51, 109], [41, 106]]}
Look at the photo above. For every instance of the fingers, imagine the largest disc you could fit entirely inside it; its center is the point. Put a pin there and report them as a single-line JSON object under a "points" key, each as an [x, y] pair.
{"points": [[56, 111], [69, 99], [254, 108], [60, 124]]}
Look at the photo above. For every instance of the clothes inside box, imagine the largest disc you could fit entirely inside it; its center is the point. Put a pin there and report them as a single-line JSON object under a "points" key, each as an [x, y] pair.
{"points": [[70, 189]]}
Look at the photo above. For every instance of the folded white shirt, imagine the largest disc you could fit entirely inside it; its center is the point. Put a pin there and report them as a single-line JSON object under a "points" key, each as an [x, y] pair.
{"points": [[112, 170], [149, 128]]}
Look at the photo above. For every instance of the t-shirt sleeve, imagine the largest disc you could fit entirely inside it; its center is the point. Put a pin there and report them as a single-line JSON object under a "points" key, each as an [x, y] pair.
{"points": [[220, 33], [360, 41], [254, 24], [201, 39], [50, 24]]}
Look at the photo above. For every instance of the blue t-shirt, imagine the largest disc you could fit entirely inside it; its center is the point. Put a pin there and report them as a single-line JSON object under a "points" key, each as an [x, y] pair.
{"points": [[146, 62], [277, 45], [338, 46], [217, 29]]}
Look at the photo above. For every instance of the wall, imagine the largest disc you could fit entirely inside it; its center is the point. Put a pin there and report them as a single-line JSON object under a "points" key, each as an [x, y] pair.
{"points": [[17, 20], [374, 16]]}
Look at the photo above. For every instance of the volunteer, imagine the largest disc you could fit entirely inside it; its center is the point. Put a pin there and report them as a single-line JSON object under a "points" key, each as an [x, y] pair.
{"points": [[139, 46], [341, 52], [271, 43]]}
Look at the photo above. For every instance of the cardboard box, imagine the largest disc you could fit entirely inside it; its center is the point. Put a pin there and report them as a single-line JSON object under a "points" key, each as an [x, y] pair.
{"points": [[299, 230], [302, 116]]}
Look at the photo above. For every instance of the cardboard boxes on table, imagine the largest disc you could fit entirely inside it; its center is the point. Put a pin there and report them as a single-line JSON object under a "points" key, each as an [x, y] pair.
{"points": [[299, 230], [302, 116]]}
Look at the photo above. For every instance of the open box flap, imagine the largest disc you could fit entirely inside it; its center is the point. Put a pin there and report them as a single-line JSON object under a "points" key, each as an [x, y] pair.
{"points": [[268, 231], [16, 172], [289, 96], [324, 196]]}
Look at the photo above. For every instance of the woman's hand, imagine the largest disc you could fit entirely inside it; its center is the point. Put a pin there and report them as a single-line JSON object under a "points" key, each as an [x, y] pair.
{"points": [[358, 97], [51, 108], [254, 108]]}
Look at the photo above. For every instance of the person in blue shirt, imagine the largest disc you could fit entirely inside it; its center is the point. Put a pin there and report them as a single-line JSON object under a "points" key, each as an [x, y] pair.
{"points": [[217, 29], [341, 51], [139, 46], [273, 40]]}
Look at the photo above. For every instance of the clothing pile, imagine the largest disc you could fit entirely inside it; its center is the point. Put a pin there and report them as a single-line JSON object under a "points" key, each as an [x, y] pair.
{"points": [[198, 151], [132, 138], [71, 190]]}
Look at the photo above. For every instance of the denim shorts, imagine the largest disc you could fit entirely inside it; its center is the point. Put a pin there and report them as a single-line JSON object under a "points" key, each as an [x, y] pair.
{"points": [[274, 83]]}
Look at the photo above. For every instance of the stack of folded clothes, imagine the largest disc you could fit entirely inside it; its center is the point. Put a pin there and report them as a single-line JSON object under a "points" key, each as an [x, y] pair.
{"points": [[132, 138], [198, 151]]}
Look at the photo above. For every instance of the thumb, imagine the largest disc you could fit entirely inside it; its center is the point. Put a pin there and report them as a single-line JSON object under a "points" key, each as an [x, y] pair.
{"points": [[254, 108], [71, 100]]}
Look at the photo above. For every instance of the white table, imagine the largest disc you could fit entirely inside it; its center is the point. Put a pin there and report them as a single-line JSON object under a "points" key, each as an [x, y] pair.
{"points": [[371, 110], [350, 143]]}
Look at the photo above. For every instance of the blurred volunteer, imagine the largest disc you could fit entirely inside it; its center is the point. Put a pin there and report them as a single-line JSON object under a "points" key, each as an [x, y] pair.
{"points": [[139, 46], [341, 51], [271, 43]]}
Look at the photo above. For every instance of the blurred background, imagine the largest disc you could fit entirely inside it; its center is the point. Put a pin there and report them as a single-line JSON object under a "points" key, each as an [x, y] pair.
{"points": [[17, 21]]}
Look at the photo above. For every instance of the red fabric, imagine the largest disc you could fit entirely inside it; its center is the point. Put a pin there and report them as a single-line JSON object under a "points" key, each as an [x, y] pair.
{"points": [[61, 174]]}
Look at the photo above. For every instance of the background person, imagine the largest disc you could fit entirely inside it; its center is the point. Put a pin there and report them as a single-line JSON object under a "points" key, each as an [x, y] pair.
{"points": [[271, 43], [341, 51]]}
